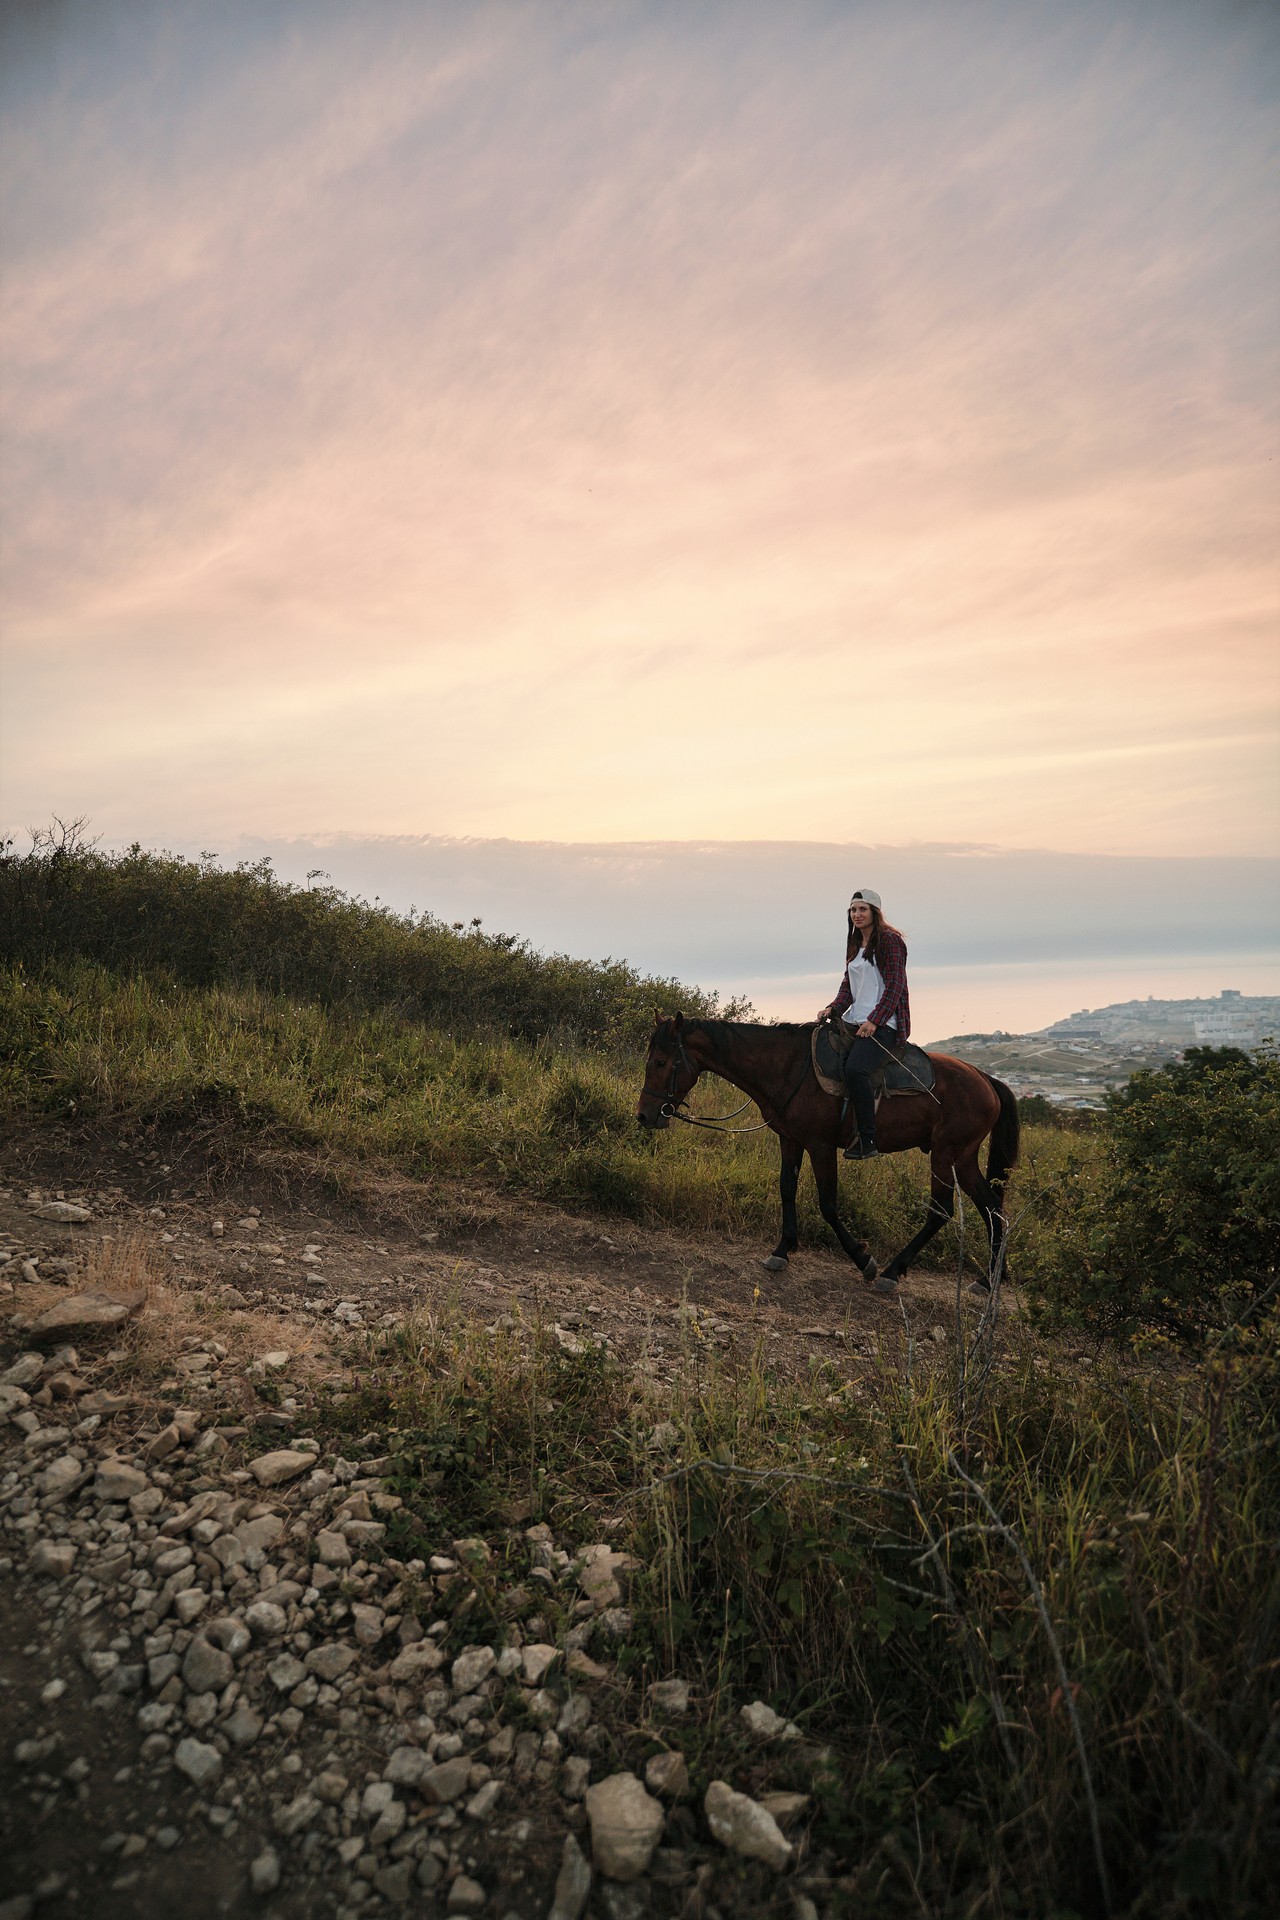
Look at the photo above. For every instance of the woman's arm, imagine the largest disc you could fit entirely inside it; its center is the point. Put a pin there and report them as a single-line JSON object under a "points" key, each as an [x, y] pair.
{"points": [[892, 961], [843, 999]]}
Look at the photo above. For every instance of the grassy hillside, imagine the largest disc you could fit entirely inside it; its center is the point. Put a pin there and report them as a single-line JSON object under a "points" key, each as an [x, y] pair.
{"points": [[1026, 1609], [544, 1119], [145, 987], [203, 927]]}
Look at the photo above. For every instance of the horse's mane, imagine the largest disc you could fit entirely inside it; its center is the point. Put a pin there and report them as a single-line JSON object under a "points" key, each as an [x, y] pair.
{"points": [[719, 1028]]}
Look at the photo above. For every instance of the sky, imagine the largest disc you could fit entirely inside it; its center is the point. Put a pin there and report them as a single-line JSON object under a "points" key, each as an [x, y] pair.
{"points": [[622, 424]]}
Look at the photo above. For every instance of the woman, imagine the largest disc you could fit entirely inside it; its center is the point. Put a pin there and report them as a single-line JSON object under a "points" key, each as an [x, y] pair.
{"points": [[873, 1000]]}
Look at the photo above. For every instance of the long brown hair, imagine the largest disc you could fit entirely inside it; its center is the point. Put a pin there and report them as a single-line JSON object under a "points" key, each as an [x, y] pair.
{"points": [[879, 925]]}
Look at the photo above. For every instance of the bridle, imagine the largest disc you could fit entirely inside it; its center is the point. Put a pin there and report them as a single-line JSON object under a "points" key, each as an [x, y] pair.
{"points": [[673, 1101]]}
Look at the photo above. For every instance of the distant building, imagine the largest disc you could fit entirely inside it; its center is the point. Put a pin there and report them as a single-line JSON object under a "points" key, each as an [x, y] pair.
{"points": [[1233, 1019], [1226, 1030]]}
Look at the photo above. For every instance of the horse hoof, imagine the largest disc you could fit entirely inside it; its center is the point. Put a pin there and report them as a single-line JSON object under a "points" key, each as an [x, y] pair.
{"points": [[775, 1263], [887, 1283], [871, 1271]]}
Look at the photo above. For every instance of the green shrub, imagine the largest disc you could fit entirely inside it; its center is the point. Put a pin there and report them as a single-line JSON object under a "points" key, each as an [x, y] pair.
{"points": [[1176, 1223], [586, 1105], [137, 912]]}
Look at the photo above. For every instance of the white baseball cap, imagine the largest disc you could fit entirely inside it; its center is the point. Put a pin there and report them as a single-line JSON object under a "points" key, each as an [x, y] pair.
{"points": [[868, 896]]}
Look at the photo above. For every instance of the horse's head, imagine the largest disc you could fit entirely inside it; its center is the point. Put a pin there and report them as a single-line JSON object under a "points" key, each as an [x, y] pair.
{"points": [[669, 1074]]}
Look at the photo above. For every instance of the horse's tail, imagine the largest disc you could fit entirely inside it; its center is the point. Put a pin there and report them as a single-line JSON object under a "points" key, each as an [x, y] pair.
{"points": [[1002, 1156]]}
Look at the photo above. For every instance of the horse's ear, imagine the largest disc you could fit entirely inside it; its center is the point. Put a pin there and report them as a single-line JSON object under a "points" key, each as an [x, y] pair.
{"points": [[657, 1018], [679, 1023]]}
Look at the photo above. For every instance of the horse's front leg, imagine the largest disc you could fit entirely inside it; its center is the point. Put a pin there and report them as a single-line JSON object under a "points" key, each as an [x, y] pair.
{"points": [[826, 1173], [788, 1181]]}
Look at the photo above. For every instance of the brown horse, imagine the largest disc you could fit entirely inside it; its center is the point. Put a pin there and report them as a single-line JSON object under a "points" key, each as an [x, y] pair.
{"points": [[773, 1066]]}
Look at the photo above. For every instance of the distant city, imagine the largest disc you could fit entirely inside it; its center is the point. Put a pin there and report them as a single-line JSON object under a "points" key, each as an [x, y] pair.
{"points": [[1078, 1060]]}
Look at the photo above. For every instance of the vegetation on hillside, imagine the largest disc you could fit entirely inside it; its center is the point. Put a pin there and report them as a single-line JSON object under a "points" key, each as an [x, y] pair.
{"points": [[204, 926], [540, 1119], [149, 987], [1028, 1607], [1174, 1221], [1029, 1616]]}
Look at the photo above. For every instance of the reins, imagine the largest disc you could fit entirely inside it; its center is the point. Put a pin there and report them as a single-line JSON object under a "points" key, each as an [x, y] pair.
{"points": [[716, 1122]]}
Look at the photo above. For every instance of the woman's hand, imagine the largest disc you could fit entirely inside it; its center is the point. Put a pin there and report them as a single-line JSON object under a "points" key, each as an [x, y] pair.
{"points": [[866, 1031]]}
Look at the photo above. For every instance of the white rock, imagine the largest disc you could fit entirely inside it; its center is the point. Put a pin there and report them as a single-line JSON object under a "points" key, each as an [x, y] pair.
{"points": [[414, 1661], [199, 1762], [26, 1368], [260, 1533], [598, 1578], [573, 1883], [116, 1480], [670, 1698], [264, 1874], [368, 1623], [465, 1896], [330, 1661], [483, 1802], [299, 1813], [536, 1662], [408, 1767], [265, 1619], [471, 1667], [741, 1824], [765, 1724], [667, 1774], [332, 1549], [447, 1782], [54, 1557], [377, 1797], [63, 1210], [286, 1672], [230, 1633], [626, 1825], [274, 1469], [206, 1669]]}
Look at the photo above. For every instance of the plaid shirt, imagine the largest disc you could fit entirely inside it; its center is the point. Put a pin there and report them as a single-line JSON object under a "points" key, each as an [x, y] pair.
{"points": [[892, 962]]}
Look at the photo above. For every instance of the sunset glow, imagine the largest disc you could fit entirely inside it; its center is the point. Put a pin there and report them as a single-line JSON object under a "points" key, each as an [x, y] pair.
{"points": [[642, 422]]}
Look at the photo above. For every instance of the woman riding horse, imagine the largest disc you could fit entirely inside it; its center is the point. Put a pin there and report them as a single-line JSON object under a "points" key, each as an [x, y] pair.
{"points": [[872, 999], [772, 1065]]}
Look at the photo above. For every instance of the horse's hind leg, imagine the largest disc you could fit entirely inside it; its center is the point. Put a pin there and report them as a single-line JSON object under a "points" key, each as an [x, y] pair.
{"points": [[941, 1207], [788, 1180], [826, 1173], [990, 1204]]}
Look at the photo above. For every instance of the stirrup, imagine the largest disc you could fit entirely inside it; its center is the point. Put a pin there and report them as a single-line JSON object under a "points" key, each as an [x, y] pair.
{"points": [[856, 1151]]}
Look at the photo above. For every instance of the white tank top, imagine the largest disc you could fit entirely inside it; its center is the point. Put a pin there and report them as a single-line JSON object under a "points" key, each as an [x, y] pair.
{"points": [[866, 983]]}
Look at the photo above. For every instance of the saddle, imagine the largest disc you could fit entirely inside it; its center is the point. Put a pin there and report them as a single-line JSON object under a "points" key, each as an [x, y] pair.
{"points": [[905, 1069]]}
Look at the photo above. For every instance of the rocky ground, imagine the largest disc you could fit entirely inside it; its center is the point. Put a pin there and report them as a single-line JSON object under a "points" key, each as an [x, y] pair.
{"points": [[221, 1692]]}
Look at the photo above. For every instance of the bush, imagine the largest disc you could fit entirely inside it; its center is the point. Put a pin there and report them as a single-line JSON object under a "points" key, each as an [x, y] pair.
{"points": [[1035, 1110], [138, 912], [1177, 1223]]}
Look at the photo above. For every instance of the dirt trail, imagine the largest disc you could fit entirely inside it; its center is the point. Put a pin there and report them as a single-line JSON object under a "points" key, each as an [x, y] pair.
{"points": [[98, 1816], [397, 1248]]}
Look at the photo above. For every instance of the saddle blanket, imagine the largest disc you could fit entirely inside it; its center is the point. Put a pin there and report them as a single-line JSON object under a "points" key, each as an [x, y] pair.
{"points": [[906, 1069]]}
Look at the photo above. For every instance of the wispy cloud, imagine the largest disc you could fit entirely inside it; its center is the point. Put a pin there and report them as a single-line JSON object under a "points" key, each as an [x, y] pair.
{"points": [[673, 421]]}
